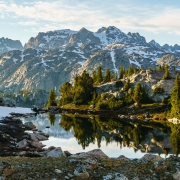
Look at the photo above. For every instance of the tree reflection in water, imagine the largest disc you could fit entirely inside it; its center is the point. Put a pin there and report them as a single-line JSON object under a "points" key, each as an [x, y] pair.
{"points": [[96, 129], [51, 118]]}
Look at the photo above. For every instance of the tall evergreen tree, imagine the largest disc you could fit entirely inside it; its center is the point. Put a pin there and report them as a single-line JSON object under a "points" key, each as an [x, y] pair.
{"points": [[99, 75], [127, 85], [66, 93], [108, 76], [138, 94], [166, 74], [175, 98], [122, 72], [131, 70], [116, 76], [52, 98], [83, 89], [94, 77]]}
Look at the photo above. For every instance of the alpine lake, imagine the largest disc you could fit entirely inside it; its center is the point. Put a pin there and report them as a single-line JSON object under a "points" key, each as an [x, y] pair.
{"points": [[113, 136]]}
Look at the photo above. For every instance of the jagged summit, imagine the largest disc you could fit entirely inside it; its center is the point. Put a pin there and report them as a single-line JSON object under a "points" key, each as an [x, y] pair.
{"points": [[155, 44], [9, 45]]}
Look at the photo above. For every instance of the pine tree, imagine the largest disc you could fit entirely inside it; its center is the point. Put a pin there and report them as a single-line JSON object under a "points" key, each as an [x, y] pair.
{"points": [[52, 98], [175, 99], [127, 85], [108, 76], [94, 77], [116, 76], [83, 89], [138, 94], [99, 75], [167, 74], [131, 70], [122, 72], [66, 93]]}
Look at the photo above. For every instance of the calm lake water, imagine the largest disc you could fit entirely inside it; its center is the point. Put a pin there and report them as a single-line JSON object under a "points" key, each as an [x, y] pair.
{"points": [[112, 136]]}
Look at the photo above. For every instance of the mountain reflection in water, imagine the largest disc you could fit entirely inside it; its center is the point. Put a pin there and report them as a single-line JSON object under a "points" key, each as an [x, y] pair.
{"points": [[97, 132]]}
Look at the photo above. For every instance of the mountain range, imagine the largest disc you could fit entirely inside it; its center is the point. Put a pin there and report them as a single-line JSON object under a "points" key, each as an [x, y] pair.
{"points": [[49, 59]]}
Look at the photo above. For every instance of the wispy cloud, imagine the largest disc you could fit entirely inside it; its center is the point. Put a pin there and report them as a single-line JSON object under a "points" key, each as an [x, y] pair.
{"points": [[75, 14], [28, 23]]}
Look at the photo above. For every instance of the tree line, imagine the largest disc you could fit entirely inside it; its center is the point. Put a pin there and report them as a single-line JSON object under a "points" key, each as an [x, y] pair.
{"points": [[84, 91]]}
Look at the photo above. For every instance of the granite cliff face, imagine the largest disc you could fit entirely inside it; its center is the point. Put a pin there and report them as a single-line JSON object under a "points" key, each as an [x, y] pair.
{"points": [[51, 58], [9, 45]]}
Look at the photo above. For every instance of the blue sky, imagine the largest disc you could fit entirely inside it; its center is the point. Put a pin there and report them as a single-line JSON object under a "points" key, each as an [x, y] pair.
{"points": [[159, 20]]}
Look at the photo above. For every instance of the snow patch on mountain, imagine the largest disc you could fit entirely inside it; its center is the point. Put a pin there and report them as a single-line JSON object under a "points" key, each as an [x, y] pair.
{"points": [[112, 53]]}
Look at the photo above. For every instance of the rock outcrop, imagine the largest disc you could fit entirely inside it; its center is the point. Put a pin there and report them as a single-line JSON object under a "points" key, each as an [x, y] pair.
{"points": [[9, 45]]}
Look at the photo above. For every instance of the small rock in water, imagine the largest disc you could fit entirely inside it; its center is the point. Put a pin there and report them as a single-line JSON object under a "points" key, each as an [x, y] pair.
{"points": [[29, 125]]}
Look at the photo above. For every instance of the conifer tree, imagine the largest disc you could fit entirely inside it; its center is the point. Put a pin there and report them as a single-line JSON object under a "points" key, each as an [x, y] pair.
{"points": [[138, 94], [116, 76], [167, 74], [83, 88], [122, 72], [99, 75], [175, 99], [66, 93], [127, 85], [52, 98], [94, 77], [108, 76], [131, 70]]}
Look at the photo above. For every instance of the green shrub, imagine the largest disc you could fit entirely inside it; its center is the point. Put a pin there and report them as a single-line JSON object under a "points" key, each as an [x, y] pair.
{"points": [[102, 105], [159, 90], [114, 105]]}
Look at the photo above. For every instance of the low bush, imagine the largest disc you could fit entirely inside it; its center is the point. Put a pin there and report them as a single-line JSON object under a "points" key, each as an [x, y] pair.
{"points": [[159, 90]]}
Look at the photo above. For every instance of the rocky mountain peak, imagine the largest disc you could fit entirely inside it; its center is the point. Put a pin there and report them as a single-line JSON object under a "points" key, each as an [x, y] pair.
{"points": [[50, 39], [155, 44], [83, 36], [9, 45], [136, 38], [101, 30]]}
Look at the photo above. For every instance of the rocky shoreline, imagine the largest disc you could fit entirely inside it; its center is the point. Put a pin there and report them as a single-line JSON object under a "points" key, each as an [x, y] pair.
{"points": [[93, 165]]}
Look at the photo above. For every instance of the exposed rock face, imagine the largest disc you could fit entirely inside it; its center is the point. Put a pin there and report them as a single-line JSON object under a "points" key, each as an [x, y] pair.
{"points": [[149, 79], [50, 40], [54, 57], [9, 45]]}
